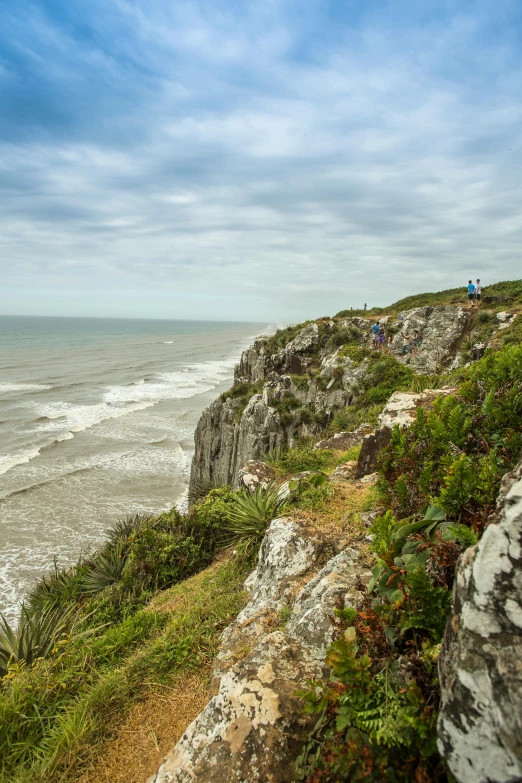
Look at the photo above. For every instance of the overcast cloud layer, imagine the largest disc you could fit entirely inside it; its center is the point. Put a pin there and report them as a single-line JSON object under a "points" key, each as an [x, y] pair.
{"points": [[270, 160]]}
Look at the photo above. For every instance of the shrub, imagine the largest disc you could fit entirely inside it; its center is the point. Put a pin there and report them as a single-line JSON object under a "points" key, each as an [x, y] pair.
{"points": [[61, 586], [343, 336], [173, 547], [37, 634], [107, 567], [249, 516], [301, 382], [467, 442]]}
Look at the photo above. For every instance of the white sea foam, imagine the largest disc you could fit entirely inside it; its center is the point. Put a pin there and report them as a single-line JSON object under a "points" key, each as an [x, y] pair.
{"points": [[9, 461], [63, 419], [181, 384], [18, 387], [77, 418]]}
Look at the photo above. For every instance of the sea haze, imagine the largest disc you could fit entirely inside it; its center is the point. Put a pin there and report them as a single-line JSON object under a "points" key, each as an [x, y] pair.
{"points": [[96, 421]]}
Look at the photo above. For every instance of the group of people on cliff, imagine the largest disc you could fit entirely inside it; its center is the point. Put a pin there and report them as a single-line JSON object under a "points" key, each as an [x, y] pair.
{"points": [[474, 293], [410, 344], [383, 342]]}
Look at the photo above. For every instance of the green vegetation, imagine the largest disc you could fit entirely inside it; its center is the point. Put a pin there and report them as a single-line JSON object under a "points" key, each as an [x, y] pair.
{"points": [[55, 714], [378, 712], [298, 459], [511, 289], [249, 516]]}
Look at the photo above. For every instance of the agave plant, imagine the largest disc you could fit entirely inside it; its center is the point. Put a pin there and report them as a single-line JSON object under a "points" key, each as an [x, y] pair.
{"points": [[107, 568], [52, 589], [123, 529], [36, 635], [250, 515], [422, 382]]}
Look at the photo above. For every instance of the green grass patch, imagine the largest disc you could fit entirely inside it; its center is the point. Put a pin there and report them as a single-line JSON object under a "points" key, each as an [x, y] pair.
{"points": [[56, 714]]}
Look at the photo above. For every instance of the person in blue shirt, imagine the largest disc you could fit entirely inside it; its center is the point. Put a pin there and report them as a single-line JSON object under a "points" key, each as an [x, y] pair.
{"points": [[471, 293], [375, 337]]}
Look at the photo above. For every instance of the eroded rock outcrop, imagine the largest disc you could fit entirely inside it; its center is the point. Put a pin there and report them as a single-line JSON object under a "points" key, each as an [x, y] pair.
{"points": [[440, 331], [256, 473], [400, 410], [480, 723], [342, 441], [252, 730]]}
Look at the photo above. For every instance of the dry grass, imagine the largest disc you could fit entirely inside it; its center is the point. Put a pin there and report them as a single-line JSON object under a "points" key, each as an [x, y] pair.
{"points": [[152, 728]]}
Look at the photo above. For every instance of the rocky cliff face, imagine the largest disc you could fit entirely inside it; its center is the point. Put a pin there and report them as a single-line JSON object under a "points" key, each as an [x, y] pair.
{"points": [[480, 723], [301, 385], [254, 727]]}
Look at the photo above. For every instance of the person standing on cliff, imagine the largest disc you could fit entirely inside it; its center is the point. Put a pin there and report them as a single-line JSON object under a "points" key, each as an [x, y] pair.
{"points": [[478, 290], [471, 293], [375, 334]]}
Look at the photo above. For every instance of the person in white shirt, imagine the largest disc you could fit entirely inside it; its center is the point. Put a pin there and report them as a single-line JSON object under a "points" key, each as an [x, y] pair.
{"points": [[477, 292]]}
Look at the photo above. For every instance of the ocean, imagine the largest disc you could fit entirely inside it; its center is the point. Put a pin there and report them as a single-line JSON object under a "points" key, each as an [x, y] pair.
{"points": [[97, 418]]}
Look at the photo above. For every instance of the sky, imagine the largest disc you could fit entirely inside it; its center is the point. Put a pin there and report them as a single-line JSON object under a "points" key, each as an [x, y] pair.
{"points": [[271, 160]]}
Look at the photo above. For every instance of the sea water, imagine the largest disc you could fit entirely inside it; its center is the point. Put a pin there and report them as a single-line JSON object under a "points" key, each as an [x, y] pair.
{"points": [[97, 418]]}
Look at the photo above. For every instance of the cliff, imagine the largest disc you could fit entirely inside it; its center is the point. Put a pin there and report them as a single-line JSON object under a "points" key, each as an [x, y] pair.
{"points": [[292, 387], [352, 611]]}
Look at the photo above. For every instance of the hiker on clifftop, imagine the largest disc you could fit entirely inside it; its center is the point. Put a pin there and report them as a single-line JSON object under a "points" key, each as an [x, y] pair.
{"points": [[375, 334], [406, 347], [381, 338], [471, 293], [478, 290]]}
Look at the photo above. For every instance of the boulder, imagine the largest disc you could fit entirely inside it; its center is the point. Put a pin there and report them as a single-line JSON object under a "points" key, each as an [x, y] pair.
{"points": [[253, 729], [480, 666], [401, 410], [371, 446], [505, 319], [440, 329], [255, 726], [344, 472], [307, 341], [341, 583], [504, 316], [256, 474], [477, 351], [342, 441], [286, 555]]}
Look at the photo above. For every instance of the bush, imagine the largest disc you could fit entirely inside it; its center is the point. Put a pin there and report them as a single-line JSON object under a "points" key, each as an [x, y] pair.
{"points": [[467, 442], [249, 516]]}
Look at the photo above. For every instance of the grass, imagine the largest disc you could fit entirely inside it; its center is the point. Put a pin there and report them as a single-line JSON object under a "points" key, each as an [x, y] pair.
{"points": [[57, 715], [299, 459], [451, 296]]}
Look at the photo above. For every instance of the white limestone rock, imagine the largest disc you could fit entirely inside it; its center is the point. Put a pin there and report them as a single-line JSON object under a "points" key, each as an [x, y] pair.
{"points": [[342, 581], [480, 667], [286, 555], [253, 729]]}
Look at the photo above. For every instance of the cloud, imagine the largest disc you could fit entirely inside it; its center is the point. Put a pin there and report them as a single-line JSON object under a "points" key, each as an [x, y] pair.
{"points": [[263, 160]]}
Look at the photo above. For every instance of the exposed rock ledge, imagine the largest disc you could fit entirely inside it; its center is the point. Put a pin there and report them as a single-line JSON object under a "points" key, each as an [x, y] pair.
{"points": [[480, 723], [254, 727]]}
